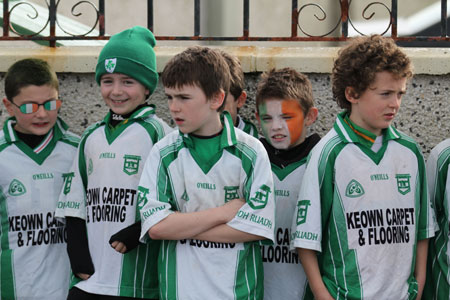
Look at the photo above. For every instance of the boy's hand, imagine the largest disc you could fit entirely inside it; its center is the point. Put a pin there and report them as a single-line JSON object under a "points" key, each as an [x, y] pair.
{"points": [[83, 276], [126, 239], [119, 247], [231, 208]]}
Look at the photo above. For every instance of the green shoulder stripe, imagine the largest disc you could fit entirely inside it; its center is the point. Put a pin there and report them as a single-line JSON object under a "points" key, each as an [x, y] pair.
{"points": [[81, 158], [70, 139], [3, 143], [441, 182], [7, 278], [164, 184], [247, 155], [153, 127]]}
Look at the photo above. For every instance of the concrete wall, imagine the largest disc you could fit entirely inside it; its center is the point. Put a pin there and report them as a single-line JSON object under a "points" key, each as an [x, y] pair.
{"points": [[424, 115]]}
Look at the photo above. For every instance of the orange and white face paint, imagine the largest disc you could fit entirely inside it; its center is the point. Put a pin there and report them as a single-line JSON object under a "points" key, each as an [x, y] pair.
{"points": [[282, 123]]}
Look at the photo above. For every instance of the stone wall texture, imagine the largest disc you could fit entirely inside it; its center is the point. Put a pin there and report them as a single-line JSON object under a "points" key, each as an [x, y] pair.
{"points": [[424, 114]]}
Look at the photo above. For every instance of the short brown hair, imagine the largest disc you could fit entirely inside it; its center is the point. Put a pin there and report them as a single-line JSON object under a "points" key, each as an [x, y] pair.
{"points": [[360, 61], [285, 84], [237, 82], [200, 66], [28, 71]]}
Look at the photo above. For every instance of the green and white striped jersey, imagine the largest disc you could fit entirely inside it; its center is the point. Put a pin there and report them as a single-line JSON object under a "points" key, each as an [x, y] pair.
{"points": [[365, 212], [175, 180], [438, 280], [102, 190], [247, 126], [33, 257], [284, 277]]}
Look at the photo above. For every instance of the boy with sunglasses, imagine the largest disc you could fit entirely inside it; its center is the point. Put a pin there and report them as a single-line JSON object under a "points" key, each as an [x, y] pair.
{"points": [[36, 152]]}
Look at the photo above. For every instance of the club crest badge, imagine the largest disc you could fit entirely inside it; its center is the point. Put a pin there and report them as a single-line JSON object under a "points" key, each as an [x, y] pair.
{"points": [[302, 211], [110, 64], [67, 182], [354, 189], [16, 188], [261, 197], [231, 192], [131, 164], [403, 183]]}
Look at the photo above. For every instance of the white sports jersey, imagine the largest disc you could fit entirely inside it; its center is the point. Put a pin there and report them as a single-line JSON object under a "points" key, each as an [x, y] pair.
{"points": [[173, 180], [284, 277], [438, 280], [247, 126], [102, 190], [34, 262], [364, 212]]}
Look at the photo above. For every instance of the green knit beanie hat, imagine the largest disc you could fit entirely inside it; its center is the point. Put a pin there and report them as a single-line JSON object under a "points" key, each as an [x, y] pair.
{"points": [[130, 52]]}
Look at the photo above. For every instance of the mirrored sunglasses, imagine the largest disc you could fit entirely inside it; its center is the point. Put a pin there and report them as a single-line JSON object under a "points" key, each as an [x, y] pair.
{"points": [[29, 108]]}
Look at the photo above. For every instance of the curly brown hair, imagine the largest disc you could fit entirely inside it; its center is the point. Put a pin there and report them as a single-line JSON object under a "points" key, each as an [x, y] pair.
{"points": [[358, 63], [285, 84]]}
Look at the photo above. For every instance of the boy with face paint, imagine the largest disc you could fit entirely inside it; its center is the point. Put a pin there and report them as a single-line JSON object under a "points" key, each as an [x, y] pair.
{"points": [[285, 109]]}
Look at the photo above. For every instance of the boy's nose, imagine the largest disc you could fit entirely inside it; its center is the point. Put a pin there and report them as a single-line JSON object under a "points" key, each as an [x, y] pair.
{"points": [[277, 124], [395, 101], [41, 112], [173, 106], [116, 89]]}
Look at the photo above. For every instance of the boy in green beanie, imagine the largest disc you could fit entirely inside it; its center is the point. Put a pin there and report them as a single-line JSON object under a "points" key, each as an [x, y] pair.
{"points": [[99, 200]]}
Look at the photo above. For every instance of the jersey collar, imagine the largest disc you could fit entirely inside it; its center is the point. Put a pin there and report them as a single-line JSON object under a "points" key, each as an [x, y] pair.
{"points": [[56, 132], [141, 113], [352, 133], [227, 137], [45, 148], [112, 133]]}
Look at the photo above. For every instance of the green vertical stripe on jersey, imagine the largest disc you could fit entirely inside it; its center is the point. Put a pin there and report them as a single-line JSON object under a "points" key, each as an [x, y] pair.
{"points": [[421, 214], [154, 129], [164, 185], [139, 274], [81, 156], [350, 276], [248, 158], [439, 275], [167, 270], [7, 280], [249, 273]]}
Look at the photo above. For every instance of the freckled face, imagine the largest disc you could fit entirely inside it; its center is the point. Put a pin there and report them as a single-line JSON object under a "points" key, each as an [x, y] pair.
{"points": [[282, 122]]}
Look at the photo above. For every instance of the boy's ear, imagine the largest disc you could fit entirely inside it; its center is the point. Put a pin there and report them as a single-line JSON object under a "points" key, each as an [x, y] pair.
{"points": [[240, 101], [311, 116], [217, 100], [8, 106], [351, 95]]}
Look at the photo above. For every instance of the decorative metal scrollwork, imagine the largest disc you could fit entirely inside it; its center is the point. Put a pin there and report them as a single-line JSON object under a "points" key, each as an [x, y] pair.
{"points": [[72, 11], [324, 16], [317, 17], [36, 14], [371, 15]]}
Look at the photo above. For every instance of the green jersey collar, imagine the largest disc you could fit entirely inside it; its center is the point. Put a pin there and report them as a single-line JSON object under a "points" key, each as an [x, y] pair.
{"points": [[352, 133], [45, 148], [141, 113], [56, 132], [227, 137]]}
